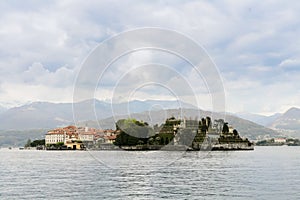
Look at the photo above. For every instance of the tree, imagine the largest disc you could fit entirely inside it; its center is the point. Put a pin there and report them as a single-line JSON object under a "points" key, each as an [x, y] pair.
{"points": [[28, 143], [225, 128], [132, 131], [162, 141], [167, 141], [59, 144], [235, 132], [208, 122], [202, 126], [156, 128], [36, 143]]}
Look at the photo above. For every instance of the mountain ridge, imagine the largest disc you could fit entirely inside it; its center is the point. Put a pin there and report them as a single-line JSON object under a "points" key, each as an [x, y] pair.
{"points": [[288, 122], [245, 127], [48, 115]]}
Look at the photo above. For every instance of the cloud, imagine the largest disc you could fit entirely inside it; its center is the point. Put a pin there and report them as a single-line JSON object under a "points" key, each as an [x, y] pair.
{"points": [[254, 45], [11, 93], [290, 64]]}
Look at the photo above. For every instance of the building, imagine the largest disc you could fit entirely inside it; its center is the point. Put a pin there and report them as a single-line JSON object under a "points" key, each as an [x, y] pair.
{"points": [[87, 134], [55, 136], [61, 135], [72, 137], [279, 140], [110, 139]]}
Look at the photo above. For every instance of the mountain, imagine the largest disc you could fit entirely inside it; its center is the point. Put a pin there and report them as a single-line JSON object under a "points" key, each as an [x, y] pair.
{"points": [[13, 138], [35, 115], [35, 119], [288, 122], [246, 128], [45, 115], [259, 119], [49, 115]]}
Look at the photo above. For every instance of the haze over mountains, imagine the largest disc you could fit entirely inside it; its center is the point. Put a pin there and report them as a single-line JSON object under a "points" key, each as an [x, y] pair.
{"points": [[45, 115], [246, 128], [259, 119], [93, 112], [287, 123], [50, 115]]}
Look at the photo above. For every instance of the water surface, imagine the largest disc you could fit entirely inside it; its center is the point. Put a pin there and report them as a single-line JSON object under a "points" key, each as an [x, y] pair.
{"points": [[265, 173]]}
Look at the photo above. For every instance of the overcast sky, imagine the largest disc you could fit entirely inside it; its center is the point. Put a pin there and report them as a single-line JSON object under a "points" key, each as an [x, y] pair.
{"points": [[255, 46]]}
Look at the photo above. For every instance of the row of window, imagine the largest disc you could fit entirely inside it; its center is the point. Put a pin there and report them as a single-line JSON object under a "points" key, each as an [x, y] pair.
{"points": [[61, 138]]}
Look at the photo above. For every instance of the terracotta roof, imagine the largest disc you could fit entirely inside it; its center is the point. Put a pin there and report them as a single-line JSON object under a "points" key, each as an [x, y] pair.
{"points": [[73, 130], [112, 137], [87, 133]]}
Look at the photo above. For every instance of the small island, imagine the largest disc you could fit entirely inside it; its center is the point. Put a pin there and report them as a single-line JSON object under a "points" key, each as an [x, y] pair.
{"points": [[133, 135], [279, 142], [180, 134]]}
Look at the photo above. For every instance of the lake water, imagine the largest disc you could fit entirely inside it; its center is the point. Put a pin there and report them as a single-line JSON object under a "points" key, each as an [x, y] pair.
{"points": [[265, 173]]}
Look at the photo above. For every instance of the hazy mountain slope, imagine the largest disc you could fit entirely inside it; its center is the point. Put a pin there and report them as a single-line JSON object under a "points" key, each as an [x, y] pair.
{"points": [[245, 128], [19, 138], [288, 122], [13, 137], [44, 115], [49, 115], [258, 119], [35, 115]]}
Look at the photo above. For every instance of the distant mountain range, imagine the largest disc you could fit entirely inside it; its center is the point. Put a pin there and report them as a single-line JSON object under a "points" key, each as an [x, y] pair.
{"points": [[287, 123], [246, 128], [259, 119], [95, 113], [49, 115]]}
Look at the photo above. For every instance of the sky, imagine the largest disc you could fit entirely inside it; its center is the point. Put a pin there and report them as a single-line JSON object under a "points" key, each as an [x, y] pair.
{"points": [[254, 45]]}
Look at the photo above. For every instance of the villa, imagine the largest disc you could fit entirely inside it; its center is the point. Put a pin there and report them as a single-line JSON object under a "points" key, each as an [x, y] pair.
{"points": [[77, 138]]}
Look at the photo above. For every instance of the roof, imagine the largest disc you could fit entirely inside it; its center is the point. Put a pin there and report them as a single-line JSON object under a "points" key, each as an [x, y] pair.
{"points": [[87, 133], [112, 137]]}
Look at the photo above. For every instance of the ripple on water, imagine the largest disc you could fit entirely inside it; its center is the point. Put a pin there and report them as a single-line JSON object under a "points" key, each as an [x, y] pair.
{"points": [[271, 172]]}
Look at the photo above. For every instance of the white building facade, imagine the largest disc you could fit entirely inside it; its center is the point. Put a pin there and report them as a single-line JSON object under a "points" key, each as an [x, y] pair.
{"points": [[53, 137]]}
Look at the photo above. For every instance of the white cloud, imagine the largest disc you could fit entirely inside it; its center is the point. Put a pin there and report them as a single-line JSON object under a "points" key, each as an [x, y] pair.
{"points": [[260, 68], [254, 45], [290, 63], [17, 94]]}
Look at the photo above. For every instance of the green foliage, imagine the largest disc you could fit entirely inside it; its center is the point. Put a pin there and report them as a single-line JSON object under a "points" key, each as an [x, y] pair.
{"points": [[208, 121], [262, 143], [36, 143], [133, 132], [123, 139], [235, 132], [59, 144], [165, 138], [225, 128]]}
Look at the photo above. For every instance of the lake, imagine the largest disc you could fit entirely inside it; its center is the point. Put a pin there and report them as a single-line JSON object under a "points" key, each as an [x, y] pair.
{"points": [[265, 173]]}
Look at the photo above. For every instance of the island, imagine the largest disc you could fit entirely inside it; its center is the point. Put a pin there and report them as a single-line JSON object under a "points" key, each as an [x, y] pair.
{"points": [[279, 142], [134, 135], [180, 134]]}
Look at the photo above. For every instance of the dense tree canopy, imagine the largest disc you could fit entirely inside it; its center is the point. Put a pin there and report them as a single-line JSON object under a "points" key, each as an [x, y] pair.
{"points": [[133, 132], [35, 143]]}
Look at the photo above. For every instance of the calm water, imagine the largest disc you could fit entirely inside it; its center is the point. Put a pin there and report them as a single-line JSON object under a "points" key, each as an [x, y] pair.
{"points": [[265, 173]]}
